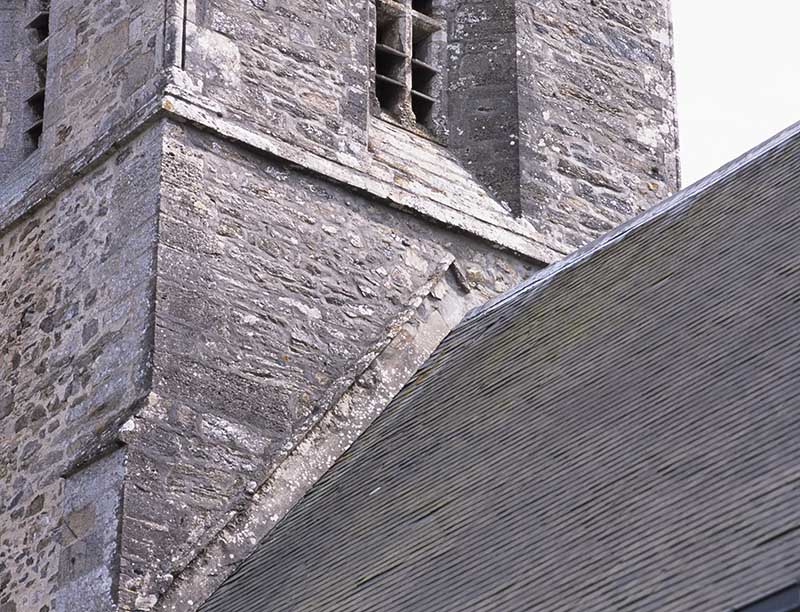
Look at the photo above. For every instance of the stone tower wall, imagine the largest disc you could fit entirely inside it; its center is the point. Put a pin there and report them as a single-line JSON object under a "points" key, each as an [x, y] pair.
{"points": [[16, 82], [105, 65], [75, 339], [597, 128], [105, 74], [296, 70], [282, 302], [222, 265], [482, 94], [565, 110]]}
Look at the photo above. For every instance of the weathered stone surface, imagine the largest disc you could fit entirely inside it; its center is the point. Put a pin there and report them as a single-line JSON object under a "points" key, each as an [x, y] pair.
{"points": [[247, 298], [443, 307], [105, 61], [17, 82], [597, 128], [482, 90], [404, 170], [291, 69], [276, 292], [75, 302], [89, 536], [565, 109]]}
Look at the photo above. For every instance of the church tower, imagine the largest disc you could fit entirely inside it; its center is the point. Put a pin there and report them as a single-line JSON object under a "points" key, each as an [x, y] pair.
{"points": [[231, 231]]}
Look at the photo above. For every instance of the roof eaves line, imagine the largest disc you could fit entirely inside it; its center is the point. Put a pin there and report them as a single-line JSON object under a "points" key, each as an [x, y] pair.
{"points": [[673, 204]]}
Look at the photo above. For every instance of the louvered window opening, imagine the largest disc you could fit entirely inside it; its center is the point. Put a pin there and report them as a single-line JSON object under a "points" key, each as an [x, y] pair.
{"points": [[39, 30], [407, 59]]}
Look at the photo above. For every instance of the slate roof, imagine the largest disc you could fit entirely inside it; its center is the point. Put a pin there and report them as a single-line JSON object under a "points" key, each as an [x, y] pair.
{"points": [[619, 433]]}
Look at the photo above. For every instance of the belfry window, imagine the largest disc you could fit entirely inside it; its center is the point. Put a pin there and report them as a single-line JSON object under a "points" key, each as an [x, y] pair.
{"points": [[39, 28], [390, 57], [409, 55]]}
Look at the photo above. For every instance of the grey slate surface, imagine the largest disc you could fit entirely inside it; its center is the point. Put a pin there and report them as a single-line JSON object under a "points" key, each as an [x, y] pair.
{"points": [[621, 433]]}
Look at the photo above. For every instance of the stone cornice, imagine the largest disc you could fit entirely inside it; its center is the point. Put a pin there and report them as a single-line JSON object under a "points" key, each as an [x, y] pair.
{"points": [[470, 210]]}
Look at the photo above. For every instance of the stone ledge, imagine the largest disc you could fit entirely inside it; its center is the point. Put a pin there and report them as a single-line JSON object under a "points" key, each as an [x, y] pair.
{"points": [[32, 188], [479, 214]]}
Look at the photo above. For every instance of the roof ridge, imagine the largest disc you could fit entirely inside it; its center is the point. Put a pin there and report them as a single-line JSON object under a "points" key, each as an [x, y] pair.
{"points": [[672, 204]]}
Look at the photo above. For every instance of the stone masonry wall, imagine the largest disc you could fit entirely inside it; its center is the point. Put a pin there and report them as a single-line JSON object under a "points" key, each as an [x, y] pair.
{"points": [[563, 109], [88, 564], [598, 135], [296, 70], [482, 94], [275, 291], [13, 49], [75, 333], [105, 62]]}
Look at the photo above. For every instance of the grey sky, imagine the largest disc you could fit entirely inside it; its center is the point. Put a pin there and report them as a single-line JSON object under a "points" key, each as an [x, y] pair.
{"points": [[738, 71]]}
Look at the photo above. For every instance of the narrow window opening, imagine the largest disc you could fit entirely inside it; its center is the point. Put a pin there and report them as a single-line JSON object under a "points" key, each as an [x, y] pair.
{"points": [[423, 72], [410, 47], [389, 60], [40, 24], [422, 6], [36, 103], [389, 32], [40, 28]]}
